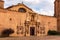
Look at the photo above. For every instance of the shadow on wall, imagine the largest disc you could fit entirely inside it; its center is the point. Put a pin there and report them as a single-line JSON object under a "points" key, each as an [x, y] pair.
{"points": [[53, 32], [7, 32]]}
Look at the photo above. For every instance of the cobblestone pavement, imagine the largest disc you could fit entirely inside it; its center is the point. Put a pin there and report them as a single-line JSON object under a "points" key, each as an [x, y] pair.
{"points": [[32, 38]]}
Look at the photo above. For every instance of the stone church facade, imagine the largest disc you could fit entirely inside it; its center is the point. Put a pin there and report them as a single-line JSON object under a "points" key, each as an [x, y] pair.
{"points": [[25, 22]]}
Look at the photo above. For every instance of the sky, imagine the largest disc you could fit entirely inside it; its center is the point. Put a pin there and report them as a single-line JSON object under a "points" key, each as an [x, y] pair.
{"points": [[43, 7]]}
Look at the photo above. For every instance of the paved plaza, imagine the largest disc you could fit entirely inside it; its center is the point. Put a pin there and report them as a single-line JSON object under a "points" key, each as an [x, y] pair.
{"points": [[32, 38]]}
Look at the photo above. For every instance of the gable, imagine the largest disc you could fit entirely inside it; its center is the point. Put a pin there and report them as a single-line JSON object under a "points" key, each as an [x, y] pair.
{"points": [[19, 6]]}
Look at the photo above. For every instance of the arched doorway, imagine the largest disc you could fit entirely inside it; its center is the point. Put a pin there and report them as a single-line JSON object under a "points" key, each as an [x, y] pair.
{"points": [[32, 31]]}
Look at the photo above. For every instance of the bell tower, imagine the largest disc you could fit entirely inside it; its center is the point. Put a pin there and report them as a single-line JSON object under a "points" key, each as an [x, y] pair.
{"points": [[1, 3], [57, 13]]}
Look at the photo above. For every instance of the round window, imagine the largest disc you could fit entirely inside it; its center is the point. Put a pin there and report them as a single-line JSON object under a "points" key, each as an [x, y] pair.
{"points": [[22, 10]]}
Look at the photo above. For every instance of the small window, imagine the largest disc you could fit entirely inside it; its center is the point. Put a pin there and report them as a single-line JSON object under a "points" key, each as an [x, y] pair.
{"points": [[10, 19], [22, 10]]}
